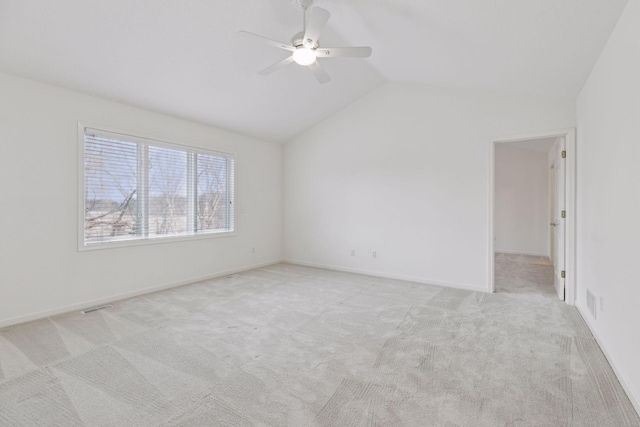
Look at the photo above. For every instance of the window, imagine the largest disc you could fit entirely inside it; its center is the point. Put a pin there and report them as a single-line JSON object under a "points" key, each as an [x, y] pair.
{"points": [[138, 189]]}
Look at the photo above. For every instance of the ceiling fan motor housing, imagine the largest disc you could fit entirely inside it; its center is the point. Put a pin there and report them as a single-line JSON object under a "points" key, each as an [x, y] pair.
{"points": [[298, 41]]}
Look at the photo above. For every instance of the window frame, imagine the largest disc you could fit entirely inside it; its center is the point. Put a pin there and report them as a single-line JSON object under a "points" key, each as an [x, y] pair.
{"points": [[138, 137]]}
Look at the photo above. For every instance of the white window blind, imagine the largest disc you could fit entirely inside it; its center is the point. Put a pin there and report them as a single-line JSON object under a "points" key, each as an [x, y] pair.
{"points": [[136, 189]]}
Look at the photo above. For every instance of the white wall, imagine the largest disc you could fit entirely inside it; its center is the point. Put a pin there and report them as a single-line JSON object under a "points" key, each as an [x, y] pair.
{"points": [[40, 267], [405, 171], [608, 204], [521, 201]]}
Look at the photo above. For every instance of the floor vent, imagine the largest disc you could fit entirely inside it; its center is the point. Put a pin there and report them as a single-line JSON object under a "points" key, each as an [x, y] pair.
{"points": [[233, 276], [91, 310], [591, 304]]}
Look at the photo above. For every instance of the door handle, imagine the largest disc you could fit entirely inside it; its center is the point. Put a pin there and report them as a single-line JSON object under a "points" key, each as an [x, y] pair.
{"points": [[555, 224]]}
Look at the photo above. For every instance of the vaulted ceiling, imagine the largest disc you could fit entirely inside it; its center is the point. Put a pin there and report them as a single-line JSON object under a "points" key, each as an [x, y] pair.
{"points": [[185, 58]]}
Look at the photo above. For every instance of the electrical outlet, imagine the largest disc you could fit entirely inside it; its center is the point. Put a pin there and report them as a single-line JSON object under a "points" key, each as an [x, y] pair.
{"points": [[253, 250], [353, 252], [375, 254]]}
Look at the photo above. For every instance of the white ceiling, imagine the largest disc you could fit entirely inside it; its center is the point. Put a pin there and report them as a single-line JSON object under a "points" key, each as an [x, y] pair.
{"points": [[184, 57], [542, 145]]}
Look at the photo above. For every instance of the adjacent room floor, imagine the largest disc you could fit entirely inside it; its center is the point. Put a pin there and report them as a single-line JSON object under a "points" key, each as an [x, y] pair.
{"points": [[290, 345]]}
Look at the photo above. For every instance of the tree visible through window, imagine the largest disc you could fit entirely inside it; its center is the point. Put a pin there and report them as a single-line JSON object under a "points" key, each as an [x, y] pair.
{"points": [[138, 189]]}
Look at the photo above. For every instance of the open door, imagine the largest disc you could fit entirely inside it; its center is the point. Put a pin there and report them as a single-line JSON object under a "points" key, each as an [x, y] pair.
{"points": [[552, 209], [558, 219]]}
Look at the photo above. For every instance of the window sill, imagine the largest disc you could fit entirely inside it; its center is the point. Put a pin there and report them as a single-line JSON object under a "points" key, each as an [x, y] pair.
{"points": [[151, 241]]}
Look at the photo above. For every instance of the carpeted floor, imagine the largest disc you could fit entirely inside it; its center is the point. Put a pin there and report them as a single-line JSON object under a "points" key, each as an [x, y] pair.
{"points": [[290, 345]]}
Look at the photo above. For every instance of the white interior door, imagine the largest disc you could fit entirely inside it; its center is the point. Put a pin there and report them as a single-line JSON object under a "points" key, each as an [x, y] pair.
{"points": [[552, 211], [558, 220]]}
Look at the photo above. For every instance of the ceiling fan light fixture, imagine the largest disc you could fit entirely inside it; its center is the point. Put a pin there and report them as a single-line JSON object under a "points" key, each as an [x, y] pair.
{"points": [[304, 56]]}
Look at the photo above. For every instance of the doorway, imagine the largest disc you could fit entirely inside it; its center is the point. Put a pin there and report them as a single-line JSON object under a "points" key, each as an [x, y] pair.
{"points": [[532, 213]]}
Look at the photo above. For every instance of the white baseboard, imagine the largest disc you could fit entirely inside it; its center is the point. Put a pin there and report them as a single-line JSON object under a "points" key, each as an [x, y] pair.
{"points": [[500, 251], [390, 276], [118, 297], [635, 401]]}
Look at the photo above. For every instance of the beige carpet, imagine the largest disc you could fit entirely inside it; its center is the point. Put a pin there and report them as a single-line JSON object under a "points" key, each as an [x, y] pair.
{"points": [[289, 345]]}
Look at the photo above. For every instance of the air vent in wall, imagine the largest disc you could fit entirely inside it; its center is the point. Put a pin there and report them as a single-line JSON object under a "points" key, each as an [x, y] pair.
{"points": [[91, 310], [591, 304]]}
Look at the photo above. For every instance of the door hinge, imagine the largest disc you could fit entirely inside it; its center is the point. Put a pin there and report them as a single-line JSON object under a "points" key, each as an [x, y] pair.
{"points": [[564, 154], [562, 274], [563, 214]]}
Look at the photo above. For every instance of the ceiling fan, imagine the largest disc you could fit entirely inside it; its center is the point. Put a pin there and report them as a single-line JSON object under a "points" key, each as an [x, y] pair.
{"points": [[304, 45]]}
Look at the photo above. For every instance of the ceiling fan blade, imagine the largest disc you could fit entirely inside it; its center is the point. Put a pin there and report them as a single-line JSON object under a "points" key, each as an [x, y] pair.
{"points": [[316, 21], [276, 67], [265, 40], [320, 73], [344, 52]]}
